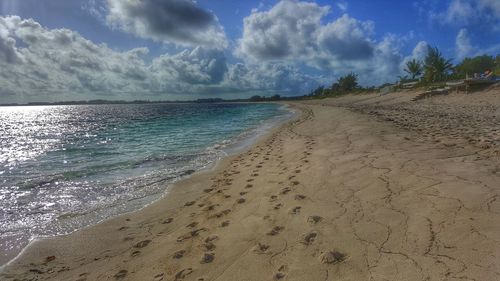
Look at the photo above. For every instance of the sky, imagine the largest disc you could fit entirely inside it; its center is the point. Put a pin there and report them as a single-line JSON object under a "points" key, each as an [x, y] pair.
{"points": [[60, 50]]}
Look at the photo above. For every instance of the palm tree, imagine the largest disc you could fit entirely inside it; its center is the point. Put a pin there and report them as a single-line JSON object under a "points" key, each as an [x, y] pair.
{"points": [[436, 67], [414, 68]]}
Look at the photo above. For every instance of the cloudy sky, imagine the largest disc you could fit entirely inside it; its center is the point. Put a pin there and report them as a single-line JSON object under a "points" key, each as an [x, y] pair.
{"points": [[54, 50]]}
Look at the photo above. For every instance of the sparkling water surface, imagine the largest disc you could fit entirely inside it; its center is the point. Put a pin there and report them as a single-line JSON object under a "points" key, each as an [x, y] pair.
{"points": [[66, 167]]}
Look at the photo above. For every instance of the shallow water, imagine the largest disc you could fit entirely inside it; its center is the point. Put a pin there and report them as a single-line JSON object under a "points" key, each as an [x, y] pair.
{"points": [[67, 167]]}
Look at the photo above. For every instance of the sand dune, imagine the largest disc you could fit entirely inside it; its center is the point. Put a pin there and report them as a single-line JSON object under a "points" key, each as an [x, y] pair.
{"points": [[333, 195]]}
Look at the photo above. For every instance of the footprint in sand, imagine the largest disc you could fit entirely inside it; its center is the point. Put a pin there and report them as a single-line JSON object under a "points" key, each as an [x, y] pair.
{"points": [[295, 182], [280, 274], [285, 190], [300, 197], [309, 238], [243, 193], [193, 224], [159, 277], [207, 258], [208, 190], [142, 244], [249, 180], [314, 219], [241, 201], [179, 254], [224, 224], [249, 186], [209, 246], [183, 273], [221, 213], [278, 206], [260, 248], [275, 231], [295, 210], [273, 198], [211, 238], [332, 257], [168, 220], [190, 203], [135, 253], [121, 274], [190, 234], [211, 207]]}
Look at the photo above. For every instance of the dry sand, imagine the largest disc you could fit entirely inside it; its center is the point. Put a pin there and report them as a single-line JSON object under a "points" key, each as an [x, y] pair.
{"points": [[334, 195]]}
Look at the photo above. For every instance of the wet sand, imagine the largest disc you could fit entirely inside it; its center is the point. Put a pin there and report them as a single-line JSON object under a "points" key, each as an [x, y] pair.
{"points": [[334, 195]]}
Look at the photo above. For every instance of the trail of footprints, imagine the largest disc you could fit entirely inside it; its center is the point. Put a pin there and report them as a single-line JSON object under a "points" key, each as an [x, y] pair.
{"points": [[199, 232], [198, 235]]}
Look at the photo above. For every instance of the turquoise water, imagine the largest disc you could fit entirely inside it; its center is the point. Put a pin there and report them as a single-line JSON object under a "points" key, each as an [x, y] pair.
{"points": [[67, 167]]}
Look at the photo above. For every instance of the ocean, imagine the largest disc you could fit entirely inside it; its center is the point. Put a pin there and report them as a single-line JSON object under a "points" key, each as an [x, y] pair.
{"points": [[63, 168]]}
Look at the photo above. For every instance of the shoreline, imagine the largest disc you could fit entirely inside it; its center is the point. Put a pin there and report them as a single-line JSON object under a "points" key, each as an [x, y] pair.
{"points": [[237, 145], [331, 195]]}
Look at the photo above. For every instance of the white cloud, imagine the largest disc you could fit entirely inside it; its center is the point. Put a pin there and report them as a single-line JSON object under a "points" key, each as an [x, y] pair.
{"points": [[492, 5], [465, 48], [418, 53], [460, 11], [269, 77], [420, 50], [180, 22], [59, 64], [294, 32], [96, 9], [466, 12], [463, 44], [286, 31], [342, 5]]}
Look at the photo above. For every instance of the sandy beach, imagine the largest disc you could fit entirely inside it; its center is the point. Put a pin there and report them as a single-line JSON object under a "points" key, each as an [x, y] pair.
{"points": [[362, 187]]}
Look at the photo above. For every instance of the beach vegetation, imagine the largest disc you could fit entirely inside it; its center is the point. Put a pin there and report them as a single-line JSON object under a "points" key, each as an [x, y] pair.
{"points": [[479, 64], [496, 70], [436, 67], [414, 68], [431, 73], [348, 82]]}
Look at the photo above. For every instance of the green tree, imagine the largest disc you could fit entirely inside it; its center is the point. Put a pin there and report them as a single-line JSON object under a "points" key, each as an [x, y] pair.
{"points": [[497, 65], [318, 92], [348, 82], [256, 98], [436, 66], [414, 68], [275, 97], [475, 65]]}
